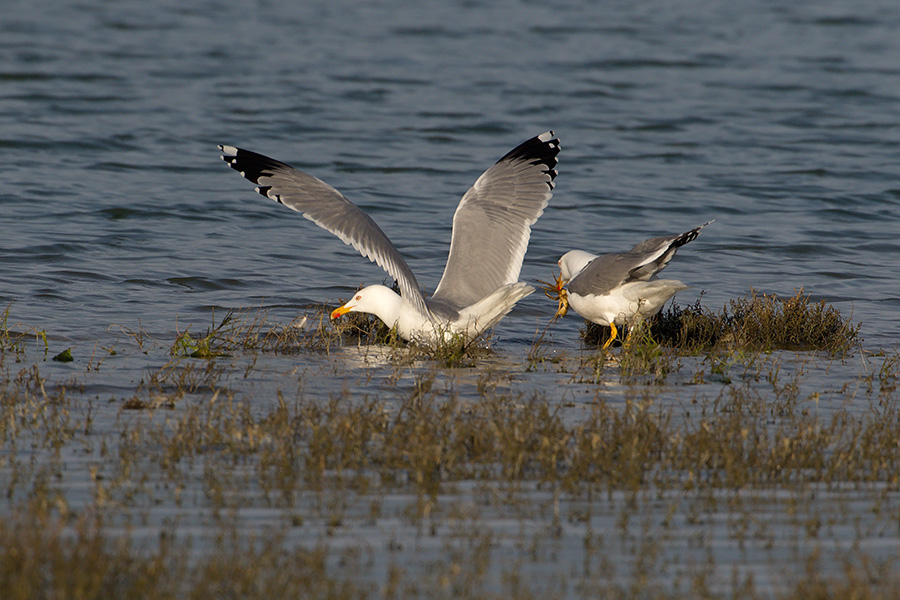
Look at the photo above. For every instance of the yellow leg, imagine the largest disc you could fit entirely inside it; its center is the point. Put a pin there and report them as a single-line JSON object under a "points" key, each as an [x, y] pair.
{"points": [[612, 335]]}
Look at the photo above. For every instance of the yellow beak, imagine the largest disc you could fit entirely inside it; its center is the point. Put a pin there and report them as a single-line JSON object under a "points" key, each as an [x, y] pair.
{"points": [[338, 312]]}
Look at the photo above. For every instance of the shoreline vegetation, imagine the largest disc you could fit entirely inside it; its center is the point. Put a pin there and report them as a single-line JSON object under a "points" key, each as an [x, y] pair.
{"points": [[435, 476]]}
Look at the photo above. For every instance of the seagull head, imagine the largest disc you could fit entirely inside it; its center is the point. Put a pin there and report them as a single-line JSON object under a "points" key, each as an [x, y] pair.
{"points": [[378, 300], [571, 264]]}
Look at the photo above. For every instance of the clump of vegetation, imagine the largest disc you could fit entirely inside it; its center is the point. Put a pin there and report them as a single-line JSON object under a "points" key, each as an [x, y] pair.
{"points": [[453, 351], [762, 322], [64, 356]]}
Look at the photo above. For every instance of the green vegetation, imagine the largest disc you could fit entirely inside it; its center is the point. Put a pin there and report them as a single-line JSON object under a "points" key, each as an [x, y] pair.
{"points": [[64, 356]]}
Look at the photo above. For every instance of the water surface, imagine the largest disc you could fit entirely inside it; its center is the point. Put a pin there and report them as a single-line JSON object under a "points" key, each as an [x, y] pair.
{"points": [[782, 123]]}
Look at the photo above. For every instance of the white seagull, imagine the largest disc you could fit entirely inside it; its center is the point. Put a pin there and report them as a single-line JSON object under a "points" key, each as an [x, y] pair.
{"points": [[618, 289], [491, 229]]}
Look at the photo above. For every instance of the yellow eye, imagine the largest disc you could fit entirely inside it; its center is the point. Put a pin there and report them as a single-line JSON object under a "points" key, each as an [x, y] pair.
{"points": [[359, 297]]}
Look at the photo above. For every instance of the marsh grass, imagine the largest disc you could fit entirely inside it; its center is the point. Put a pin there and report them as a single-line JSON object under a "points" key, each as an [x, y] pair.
{"points": [[743, 438], [45, 556], [644, 360], [757, 322], [452, 351], [247, 330], [15, 341], [425, 442], [251, 330], [220, 452], [48, 558], [241, 330]]}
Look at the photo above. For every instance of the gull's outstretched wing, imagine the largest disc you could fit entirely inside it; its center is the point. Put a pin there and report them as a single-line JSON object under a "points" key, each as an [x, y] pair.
{"points": [[327, 208], [492, 223]]}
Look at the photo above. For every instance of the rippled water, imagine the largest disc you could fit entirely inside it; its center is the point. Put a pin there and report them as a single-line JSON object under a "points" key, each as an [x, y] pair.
{"points": [[781, 122]]}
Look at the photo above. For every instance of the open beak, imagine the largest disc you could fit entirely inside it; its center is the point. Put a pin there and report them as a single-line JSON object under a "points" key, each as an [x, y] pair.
{"points": [[556, 291], [338, 312]]}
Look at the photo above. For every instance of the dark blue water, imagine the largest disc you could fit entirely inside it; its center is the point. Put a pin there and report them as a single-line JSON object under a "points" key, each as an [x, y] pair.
{"points": [[781, 121]]}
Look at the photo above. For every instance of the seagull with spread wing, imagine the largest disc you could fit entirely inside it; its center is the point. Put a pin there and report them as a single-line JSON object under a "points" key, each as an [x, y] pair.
{"points": [[491, 229]]}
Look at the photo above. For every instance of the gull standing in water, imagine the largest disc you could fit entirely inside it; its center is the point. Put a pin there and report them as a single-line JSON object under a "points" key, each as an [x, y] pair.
{"points": [[491, 229], [618, 289]]}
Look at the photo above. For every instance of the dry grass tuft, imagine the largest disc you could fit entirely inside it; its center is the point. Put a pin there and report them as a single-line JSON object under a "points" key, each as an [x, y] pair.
{"points": [[759, 322]]}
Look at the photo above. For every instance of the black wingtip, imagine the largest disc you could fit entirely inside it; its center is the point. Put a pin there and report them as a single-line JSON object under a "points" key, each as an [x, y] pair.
{"points": [[688, 236], [249, 164], [542, 148]]}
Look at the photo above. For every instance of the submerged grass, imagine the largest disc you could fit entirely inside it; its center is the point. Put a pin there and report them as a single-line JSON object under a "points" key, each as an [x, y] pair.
{"points": [[15, 338], [44, 556], [49, 559], [429, 440], [247, 330], [419, 443]]}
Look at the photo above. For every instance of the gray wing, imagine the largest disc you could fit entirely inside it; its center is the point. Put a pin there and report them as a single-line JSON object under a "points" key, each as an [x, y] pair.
{"points": [[604, 274], [642, 262], [327, 208], [492, 223]]}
